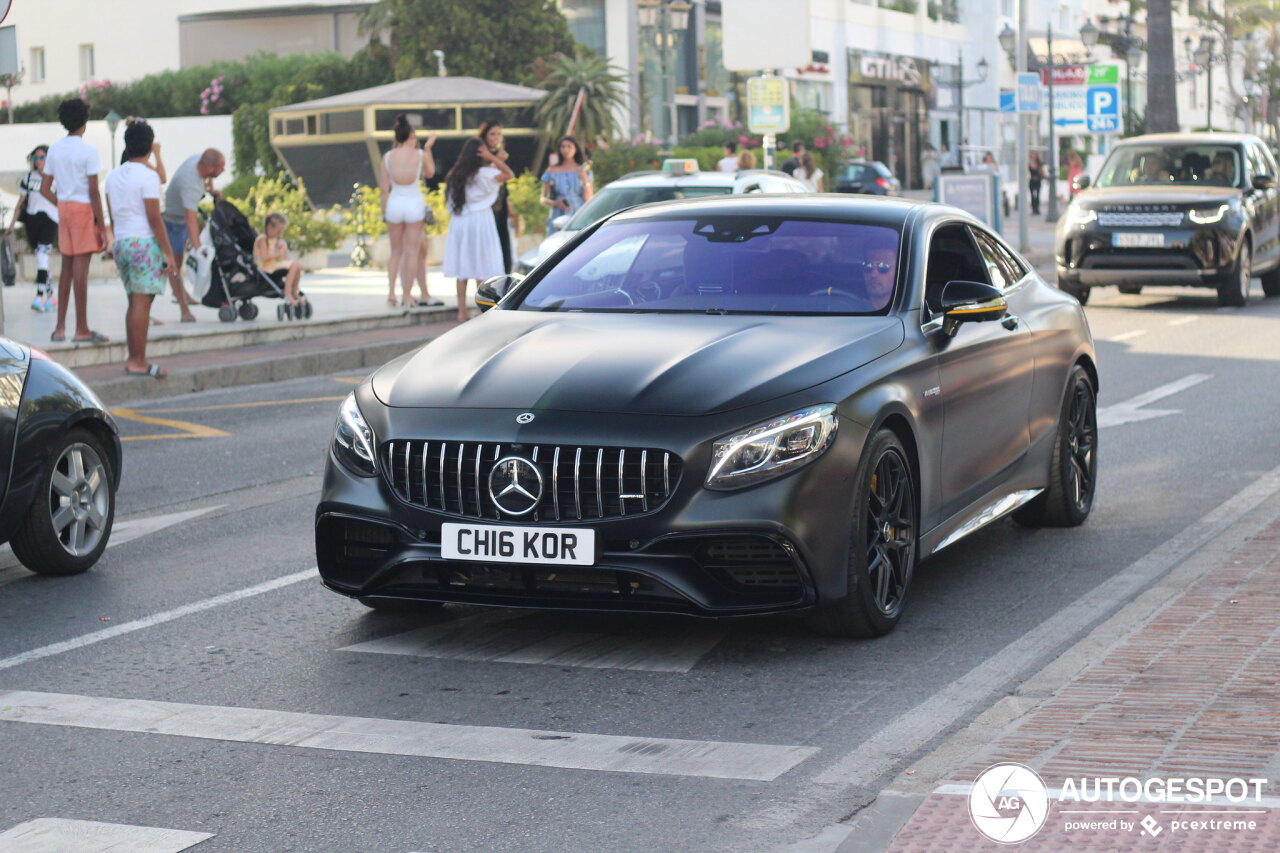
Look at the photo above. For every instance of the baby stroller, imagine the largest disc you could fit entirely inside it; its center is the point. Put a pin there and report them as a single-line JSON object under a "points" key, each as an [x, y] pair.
{"points": [[235, 278]]}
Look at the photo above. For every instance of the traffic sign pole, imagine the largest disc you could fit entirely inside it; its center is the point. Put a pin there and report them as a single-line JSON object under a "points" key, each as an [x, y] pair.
{"points": [[1024, 195], [1051, 214]]}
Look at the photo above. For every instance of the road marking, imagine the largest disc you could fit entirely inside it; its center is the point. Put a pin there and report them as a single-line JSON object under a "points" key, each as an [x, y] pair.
{"points": [[186, 428], [125, 531], [909, 732], [155, 619], [1131, 411], [494, 637], [348, 380], [59, 835], [571, 750], [249, 405], [1182, 321], [1128, 336]]}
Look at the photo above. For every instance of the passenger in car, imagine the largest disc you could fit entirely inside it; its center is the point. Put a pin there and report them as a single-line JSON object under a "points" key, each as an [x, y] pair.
{"points": [[1154, 170], [1222, 172]]}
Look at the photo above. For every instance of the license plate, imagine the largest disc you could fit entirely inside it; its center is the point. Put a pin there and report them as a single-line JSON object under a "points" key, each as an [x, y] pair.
{"points": [[1138, 240], [489, 543]]}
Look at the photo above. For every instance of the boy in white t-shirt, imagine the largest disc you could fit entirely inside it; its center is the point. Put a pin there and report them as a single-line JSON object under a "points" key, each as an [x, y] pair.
{"points": [[729, 162], [73, 164]]}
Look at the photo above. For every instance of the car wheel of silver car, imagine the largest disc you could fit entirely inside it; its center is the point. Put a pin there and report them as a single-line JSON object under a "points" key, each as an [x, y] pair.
{"points": [[1271, 282], [882, 549], [1073, 470], [1234, 292], [69, 522], [1080, 292]]}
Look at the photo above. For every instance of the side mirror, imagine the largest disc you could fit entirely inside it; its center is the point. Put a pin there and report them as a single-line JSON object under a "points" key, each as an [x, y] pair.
{"points": [[1264, 182], [1081, 182], [491, 290], [970, 302], [560, 221]]}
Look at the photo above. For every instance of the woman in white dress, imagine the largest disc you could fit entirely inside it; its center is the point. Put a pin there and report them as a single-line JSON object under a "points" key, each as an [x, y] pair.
{"points": [[472, 250], [403, 168], [809, 174]]}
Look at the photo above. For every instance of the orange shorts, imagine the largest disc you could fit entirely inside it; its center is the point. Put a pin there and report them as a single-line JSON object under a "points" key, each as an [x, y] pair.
{"points": [[76, 234]]}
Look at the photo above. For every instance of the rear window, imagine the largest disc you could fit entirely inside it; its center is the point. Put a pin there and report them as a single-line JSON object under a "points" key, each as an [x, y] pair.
{"points": [[612, 199], [725, 264]]}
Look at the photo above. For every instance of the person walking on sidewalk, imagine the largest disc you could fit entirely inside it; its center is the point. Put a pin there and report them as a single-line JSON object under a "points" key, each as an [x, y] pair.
{"points": [[74, 165], [190, 182], [1035, 169], [40, 221], [142, 251], [797, 155], [729, 162], [472, 250], [404, 211]]}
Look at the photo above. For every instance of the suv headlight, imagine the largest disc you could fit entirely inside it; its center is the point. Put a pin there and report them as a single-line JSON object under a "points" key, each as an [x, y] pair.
{"points": [[772, 448], [353, 440], [1208, 215], [1081, 216]]}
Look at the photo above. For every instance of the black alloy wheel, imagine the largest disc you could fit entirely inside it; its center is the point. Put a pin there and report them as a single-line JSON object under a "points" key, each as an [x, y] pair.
{"points": [[882, 551], [1271, 281], [1234, 291], [1073, 472]]}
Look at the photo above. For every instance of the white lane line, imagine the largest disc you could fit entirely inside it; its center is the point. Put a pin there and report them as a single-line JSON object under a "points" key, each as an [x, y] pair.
{"points": [[1131, 410], [573, 750], [60, 835], [122, 532], [1127, 336], [155, 619], [495, 638], [907, 733], [1182, 321]]}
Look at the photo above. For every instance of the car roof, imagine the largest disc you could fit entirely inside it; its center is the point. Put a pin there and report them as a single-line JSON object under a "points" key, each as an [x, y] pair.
{"points": [[892, 212], [692, 179], [1202, 138]]}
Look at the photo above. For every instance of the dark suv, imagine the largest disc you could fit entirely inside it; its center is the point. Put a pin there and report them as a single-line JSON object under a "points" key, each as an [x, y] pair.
{"points": [[869, 177], [1197, 209]]}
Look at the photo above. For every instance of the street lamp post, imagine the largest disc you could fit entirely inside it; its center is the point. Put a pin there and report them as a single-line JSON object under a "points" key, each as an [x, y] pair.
{"points": [[1205, 58], [961, 85], [113, 121], [665, 18], [1014, 44]]}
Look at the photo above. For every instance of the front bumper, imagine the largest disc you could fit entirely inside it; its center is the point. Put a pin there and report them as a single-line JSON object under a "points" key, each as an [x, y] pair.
{"points": [[778, 546], [1199, 256]]}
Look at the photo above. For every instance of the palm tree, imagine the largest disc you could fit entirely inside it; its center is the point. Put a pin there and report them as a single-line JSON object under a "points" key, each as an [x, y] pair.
{"points": [[591, 84], [1162, 92]]}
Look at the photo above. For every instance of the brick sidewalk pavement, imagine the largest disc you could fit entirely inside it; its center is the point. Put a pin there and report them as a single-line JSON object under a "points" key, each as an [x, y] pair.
{"points": [[1193, 692]]}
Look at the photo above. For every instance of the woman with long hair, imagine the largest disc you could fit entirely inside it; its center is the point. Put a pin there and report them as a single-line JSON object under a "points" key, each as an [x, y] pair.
{"points": [[566, 185], [472, 250], [491, 133], [808, 173], [403, 209], [40, 219]]}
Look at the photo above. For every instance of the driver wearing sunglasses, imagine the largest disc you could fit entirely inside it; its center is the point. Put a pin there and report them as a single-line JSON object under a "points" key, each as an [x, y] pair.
{"points": [[879, 271]]}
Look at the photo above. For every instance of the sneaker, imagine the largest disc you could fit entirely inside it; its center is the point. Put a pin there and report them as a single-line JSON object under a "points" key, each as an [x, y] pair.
{"points": [[38, 304]]}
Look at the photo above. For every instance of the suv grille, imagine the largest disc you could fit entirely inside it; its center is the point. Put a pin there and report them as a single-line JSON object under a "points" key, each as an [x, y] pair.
{"points": [[1147, 220], [579, 482]]}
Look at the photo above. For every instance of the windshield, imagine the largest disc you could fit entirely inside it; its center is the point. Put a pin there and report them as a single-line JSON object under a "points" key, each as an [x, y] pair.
{"points": [[1172, 165], [725, 264], [612, 199]]}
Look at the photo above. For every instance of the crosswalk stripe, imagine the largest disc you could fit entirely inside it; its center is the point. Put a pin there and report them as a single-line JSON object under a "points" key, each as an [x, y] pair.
{"points": [[572, 750], [518, 638], [60, 835]]}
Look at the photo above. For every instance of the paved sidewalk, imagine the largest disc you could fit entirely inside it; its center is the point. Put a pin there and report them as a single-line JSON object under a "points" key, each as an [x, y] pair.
{"points": [[1192, 691]]}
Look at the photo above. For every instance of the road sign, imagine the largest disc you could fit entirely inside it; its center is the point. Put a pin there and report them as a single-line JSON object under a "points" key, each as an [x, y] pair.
{"points": [[768, 105], [1066, 75], [1008, 103], [1102, 109], [1029, 100], [1104, 75], [1069, 107]]}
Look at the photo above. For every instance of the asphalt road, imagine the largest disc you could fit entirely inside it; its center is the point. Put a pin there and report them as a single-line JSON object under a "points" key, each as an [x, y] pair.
{"points": [[230, 480]]}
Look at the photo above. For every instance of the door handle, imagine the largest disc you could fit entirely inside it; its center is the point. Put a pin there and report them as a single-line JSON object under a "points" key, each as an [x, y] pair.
{"points": [[1010, 322]]}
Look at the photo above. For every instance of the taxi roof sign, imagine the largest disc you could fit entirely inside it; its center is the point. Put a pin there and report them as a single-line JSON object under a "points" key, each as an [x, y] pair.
{"points": [[680, 166]]}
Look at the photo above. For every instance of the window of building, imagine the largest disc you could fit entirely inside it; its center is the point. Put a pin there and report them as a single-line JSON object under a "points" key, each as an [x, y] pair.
{"points": [[37, 65], [945, 10], [586, 22], [86, 62]]}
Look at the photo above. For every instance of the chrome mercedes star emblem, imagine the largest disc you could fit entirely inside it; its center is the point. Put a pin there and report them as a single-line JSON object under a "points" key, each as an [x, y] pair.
{"points": [[525, 418], [515, 485]]}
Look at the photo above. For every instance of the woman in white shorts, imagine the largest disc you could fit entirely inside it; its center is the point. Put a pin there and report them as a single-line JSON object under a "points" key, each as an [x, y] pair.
{"points": [[403, 208]]}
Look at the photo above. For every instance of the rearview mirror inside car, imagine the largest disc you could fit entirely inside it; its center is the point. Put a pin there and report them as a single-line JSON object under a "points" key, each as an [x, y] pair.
{"points": [[970, 302], [491, 290]]}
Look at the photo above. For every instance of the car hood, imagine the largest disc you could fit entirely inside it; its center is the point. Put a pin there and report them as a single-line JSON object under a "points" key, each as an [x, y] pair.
{"points": [[672, 364], [1106, 197]]}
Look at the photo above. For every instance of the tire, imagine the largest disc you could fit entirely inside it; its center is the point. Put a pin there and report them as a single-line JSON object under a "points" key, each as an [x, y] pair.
{"points": [[882, 545], [306, 310], [280, 313], [400, 605], [1079, 291], [1234, 292], [248, 311], [227, 314], [1131, 289], [1271, 282], [1073, 469], [59, 538]]}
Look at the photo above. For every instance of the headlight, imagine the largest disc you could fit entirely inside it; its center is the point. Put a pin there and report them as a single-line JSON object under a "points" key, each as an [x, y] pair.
{"points": [[1207, 216], [1081, 216], [772, 448], [353, 440]]}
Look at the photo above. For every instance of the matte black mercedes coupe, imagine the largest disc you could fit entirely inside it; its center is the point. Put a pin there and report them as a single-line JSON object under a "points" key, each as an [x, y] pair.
{"points": [[59, 464], [720, 407]]}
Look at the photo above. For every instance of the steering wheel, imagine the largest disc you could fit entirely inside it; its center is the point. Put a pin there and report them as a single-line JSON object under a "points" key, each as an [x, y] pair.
{"points": [[648, 291], [835, 291]]}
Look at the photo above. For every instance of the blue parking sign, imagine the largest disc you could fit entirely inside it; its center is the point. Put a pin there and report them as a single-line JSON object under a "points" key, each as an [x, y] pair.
{"points": [[1102, 109]]}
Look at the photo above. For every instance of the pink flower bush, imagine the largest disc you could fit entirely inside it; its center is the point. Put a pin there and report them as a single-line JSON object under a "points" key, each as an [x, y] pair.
{"points": [[211, 95]]}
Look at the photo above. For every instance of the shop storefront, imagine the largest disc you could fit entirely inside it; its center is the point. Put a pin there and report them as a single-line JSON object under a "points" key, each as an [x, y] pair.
{"points": [[889, 110]]}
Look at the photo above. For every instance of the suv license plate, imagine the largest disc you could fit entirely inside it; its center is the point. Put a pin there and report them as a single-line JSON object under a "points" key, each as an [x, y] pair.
{"points": [[1141, 240], [489, 543]]}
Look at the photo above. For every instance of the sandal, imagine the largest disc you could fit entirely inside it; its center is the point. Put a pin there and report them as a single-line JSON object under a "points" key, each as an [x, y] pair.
{"points": [[190, 318], [58, 338], [432, 303], [154, 370], [392, 302], [94, 338]]}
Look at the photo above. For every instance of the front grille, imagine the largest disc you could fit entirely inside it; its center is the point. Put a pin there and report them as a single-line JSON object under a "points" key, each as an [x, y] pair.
{"points": [[1140, 220], [579, 483]]}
